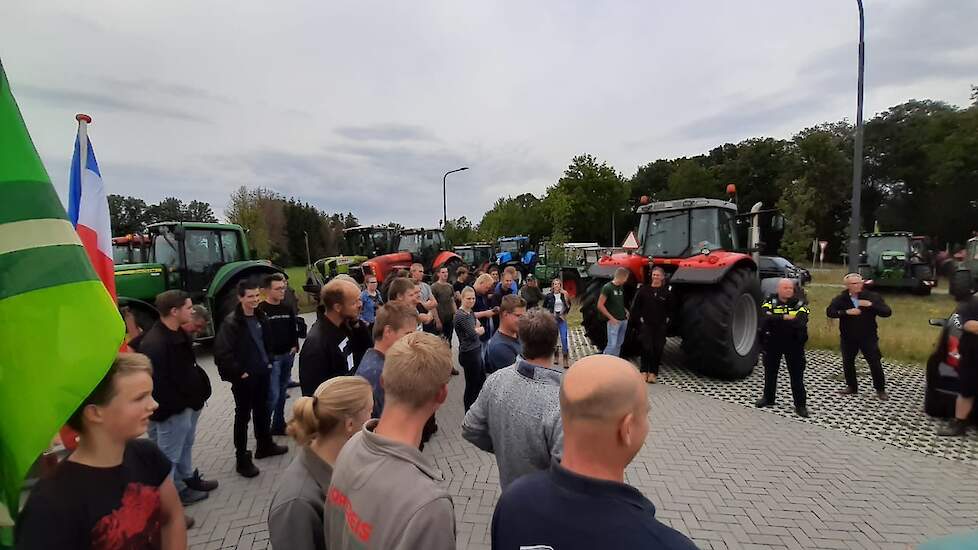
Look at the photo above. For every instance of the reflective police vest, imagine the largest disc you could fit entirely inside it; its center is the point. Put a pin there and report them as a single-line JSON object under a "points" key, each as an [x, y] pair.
{"points": [[776, 329]]}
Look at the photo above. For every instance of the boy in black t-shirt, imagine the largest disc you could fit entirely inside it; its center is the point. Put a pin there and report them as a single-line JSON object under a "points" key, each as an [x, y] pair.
{"points": [[114, 491]]}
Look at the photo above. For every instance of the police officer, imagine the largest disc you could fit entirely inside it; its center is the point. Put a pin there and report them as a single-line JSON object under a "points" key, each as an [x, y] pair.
{"points": [[857, 310], [784, 331]]}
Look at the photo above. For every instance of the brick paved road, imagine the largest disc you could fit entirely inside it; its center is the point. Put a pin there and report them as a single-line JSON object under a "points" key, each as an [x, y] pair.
{"points": [[727, 475]]}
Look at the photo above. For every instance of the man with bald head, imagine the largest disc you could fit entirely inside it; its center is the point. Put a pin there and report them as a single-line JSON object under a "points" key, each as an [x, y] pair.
{"points": [[857, 309], [333, 345], [583, 501], [784, 331]]}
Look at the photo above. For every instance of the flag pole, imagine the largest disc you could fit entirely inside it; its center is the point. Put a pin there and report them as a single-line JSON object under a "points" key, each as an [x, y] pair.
{"points": [[83, 122]]}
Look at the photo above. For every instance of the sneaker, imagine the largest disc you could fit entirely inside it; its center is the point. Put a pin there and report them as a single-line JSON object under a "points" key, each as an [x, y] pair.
{"points": [[802, 411], [270, 449], [882, 395], [847, 391], [762, 403], [955, 428], [245, 466], [198, 483], [189, 496]]}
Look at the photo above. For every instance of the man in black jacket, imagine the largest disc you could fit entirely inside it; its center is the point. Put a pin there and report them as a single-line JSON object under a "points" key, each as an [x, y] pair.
{"points": [[857, 310], [242, 357], [180, 388], [784, 331], [336, 342]]}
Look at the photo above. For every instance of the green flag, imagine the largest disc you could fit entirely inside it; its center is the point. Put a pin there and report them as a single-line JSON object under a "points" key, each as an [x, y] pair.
{"points": [[59, 328]]}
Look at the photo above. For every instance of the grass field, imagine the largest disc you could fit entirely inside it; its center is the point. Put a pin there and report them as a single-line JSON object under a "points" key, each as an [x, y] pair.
{"points": [[904, 337]]}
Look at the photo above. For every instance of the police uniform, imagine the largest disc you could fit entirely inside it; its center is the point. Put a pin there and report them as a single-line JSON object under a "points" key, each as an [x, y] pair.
{"points": [[784, 337]]}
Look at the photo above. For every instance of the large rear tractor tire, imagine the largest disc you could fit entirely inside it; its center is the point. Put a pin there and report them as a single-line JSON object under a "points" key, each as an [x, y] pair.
{"points": [[595, 326], [718, 324]]}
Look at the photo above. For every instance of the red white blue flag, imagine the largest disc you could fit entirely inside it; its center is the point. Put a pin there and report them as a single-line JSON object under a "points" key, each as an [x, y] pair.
{"points": [[88, 207]]}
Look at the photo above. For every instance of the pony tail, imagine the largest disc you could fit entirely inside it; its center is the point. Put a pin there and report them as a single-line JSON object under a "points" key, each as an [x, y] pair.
{"points": [[304, 424]]}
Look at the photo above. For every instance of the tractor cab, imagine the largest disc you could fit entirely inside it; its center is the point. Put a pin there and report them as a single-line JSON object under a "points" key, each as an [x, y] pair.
{"points": [[476, 255], [368, 240], [130, 249], [688, 227], [422, 244], [516, 252], [896, 259], [419, 245]]}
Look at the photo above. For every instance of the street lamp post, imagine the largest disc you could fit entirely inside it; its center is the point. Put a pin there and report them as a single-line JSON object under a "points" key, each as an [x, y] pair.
{"points": [[857, 154], [444, 195]]}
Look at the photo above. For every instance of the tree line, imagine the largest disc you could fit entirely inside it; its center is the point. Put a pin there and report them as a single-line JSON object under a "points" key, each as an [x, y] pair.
{"points": [[920, 175]]}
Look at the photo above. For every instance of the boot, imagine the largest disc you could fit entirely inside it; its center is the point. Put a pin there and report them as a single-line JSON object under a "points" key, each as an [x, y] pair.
{"points": [[763, 403], [245, 466], [802, 411], [566, 360], [270, 448], [198, 483], [955, 428]]}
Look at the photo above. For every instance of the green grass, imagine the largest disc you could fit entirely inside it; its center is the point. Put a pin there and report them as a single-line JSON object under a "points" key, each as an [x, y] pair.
{"points": [[297, 278]]}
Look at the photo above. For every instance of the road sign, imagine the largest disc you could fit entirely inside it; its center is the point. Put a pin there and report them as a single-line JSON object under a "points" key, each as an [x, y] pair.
{"points": [[631, 242]]}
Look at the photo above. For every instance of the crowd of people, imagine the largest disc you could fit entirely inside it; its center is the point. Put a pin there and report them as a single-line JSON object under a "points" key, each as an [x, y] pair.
{"points": [[374, 369]]}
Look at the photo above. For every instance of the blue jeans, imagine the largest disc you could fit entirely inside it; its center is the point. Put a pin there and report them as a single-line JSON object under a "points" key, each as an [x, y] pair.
{"points": [[277, 384], [562, 327], [175, 437], [616, 337]]}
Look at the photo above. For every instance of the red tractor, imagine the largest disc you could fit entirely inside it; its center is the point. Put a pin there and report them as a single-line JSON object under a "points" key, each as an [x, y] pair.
{"points": [[424, 246], [700, 244]]}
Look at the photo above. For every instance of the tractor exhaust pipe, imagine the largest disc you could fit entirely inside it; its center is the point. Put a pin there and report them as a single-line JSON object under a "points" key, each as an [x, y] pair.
{"points": [[755, 234]]}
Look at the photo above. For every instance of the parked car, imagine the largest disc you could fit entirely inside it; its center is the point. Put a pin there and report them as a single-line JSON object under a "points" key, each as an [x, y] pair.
{"points": [[776, 266]]}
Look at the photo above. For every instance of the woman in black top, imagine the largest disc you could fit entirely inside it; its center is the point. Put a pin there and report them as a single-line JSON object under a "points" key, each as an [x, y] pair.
{"points": [[651, 309]]}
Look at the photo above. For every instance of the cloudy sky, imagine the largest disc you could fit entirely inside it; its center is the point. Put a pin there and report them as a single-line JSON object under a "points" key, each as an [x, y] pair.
{"points": [[362, 106]]}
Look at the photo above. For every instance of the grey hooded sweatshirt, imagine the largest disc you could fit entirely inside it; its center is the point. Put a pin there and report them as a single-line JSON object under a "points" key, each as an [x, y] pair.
{"points": [[385, 495]]}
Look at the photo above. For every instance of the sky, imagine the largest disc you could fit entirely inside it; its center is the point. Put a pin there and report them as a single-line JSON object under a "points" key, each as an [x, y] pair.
{"points": [[363, 106]]}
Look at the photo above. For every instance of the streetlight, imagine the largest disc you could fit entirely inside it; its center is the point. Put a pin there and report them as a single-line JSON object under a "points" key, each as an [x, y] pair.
{"points": [[857, 154], [444, 196]]}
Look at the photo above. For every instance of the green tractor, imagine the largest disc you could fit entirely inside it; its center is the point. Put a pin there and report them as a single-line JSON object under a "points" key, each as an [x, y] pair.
{"points": [[359, 245], [477, 256], [566, 262], [204, 259], [897, 259]]}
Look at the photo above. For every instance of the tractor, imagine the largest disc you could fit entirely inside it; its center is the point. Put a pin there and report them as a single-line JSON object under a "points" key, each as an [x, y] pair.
{"points": [[714, 277], [516, 252], [204, 259], [359, 244], [423, 246], [130, 249], [964, 273], [478, 256], [566, 262], [897, 259]]}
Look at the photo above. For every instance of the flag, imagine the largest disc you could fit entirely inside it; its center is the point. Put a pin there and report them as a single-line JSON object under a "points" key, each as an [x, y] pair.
{"points": [[59, 328], [88, 207]]}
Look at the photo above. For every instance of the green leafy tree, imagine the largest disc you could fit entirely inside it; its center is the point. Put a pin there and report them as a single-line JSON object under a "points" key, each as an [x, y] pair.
{"points": [[692, 179], [799, 203], [198, 211], [127, 214], [459, 231], [598, 200]]}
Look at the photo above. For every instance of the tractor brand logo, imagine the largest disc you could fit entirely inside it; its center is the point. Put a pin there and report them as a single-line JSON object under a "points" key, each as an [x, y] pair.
{"points": [[152, 271]]}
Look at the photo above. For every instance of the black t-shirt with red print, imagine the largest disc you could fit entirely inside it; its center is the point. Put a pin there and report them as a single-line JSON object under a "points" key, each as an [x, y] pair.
{"points": [[83, 507]]}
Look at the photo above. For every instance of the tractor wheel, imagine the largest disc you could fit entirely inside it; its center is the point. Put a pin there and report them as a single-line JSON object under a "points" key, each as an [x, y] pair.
{"points": [[595, 326], [719, 325]]}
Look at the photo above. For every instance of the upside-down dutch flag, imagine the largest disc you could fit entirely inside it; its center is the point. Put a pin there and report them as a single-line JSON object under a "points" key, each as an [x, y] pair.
{"points": [[88, 209]]}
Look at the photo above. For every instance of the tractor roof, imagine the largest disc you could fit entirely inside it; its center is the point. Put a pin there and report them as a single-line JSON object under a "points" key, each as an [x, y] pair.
{"points": [[198, 225], [686, 204], [369, 228], [413, 230], [880, 234], [516, 238]]}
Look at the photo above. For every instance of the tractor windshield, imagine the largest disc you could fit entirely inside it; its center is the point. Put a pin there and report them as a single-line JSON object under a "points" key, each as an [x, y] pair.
{"points": [[677, 234], [878, 245], [513, 247], [467, 255], [165, 251]]}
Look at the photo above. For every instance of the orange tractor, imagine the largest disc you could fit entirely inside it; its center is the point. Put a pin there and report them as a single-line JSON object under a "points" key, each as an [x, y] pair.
{"points": [[424, 246]]}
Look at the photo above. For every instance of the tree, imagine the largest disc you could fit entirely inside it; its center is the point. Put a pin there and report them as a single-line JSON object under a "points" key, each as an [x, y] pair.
{"points": [[127, 214], [598, 200], [170, 209], [198, 211], [651, 180], [459, 231], [800, 205], [691, 179]]}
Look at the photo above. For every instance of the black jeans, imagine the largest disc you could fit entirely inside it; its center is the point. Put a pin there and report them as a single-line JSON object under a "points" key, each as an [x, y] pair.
{"points": [[653, 342], [870, 349], [794, 356], [475, 375], [251, 402]]}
